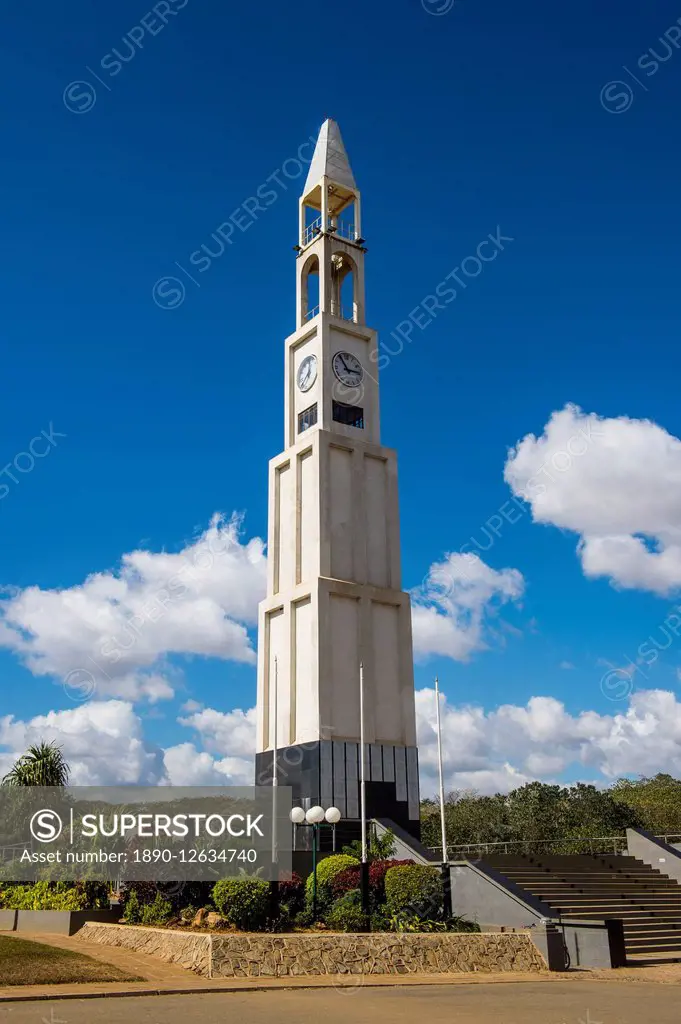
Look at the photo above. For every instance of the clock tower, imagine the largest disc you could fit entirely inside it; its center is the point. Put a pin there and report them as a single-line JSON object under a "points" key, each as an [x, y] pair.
{"points": [[334, 597]]}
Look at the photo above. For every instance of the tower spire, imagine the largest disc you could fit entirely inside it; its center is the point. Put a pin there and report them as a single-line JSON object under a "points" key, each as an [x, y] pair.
{"points": [[330, 159]]}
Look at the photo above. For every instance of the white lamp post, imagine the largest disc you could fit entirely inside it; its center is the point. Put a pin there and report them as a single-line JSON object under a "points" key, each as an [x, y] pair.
{"points": [[315, 818]]}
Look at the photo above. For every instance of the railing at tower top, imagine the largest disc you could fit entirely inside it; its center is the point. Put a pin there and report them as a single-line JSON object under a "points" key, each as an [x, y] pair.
{"points": [[344, 230], [348, 312], [344, 312], [314, 228]]}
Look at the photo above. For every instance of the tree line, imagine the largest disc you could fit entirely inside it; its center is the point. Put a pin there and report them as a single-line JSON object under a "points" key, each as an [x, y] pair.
{"points": [[538, 812], [532, 815]]}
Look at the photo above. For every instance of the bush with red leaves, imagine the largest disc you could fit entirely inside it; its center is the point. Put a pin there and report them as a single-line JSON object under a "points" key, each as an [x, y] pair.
{"points": [[292, 893], [346, 881]]}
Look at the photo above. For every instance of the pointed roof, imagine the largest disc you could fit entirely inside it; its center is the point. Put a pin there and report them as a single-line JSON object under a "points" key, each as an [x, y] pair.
{"points": [[330, 159]]}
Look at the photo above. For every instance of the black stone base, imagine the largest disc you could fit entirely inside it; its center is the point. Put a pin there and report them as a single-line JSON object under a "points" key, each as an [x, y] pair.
{"points": [[327, 772]]}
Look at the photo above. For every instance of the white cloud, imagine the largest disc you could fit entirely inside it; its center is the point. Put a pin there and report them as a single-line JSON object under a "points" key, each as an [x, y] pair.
{"points": [[505, 747], [102, 742], [187, 766], [616, 482], [109, 635], [104, 745], [490, 751], [230, 735], [224, 732], [190, 706], [453, 609]]}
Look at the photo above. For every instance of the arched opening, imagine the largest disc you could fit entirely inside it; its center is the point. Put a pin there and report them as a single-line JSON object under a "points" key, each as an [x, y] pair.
{"points": [[344, 286], [310, 289]]}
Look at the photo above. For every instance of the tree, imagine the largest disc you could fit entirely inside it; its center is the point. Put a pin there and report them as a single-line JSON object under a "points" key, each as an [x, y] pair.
{"points": [[43, 764], [469, 819], [656, 801], [539, 817]]}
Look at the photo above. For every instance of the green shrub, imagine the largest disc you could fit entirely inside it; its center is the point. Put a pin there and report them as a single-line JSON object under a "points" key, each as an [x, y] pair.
{"points": [[303, 919], [292, 894], [327, 869], [158, 912], [133, 911], [346, 914], [44, 896], [243, 902], [415, 890]]}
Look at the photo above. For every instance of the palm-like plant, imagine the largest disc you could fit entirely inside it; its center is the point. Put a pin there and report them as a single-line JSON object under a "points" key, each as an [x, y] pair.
{"points": [[43, 764]]}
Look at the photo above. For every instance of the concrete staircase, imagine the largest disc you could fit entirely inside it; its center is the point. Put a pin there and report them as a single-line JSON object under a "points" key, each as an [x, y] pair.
{"points": [[583, 886]]}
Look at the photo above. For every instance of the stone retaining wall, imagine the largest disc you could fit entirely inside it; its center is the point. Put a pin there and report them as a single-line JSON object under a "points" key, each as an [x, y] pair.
{"points": [[175, 947], [243, 956], [257, 955]]}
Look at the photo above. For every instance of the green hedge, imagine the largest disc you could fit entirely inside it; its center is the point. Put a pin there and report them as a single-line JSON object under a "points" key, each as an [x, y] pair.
{"points": [[327, 869], [43, 896], [346, 914], [243, 902], [414, 889]]}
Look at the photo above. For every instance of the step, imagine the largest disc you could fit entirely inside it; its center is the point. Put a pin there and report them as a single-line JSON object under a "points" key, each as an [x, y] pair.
{"points": [[628, 917], [658, 947], [647, 940], [593, 876], [654, 928], [632, 895], [627, 902], [607, 886], [607, 910]]}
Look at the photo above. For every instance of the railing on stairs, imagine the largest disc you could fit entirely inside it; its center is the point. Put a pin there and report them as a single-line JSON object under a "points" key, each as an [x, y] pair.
{"points": [[580, 844]]}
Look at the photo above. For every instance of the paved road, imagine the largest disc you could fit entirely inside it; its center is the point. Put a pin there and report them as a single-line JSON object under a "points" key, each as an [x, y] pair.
{"points": [[593, 1002]]}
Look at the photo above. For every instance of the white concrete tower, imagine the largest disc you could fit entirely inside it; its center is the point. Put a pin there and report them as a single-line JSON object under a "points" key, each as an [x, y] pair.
{"points": [[334, 596]]}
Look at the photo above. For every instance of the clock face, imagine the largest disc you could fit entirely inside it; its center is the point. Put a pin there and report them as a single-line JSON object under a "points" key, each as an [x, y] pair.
{"points": [[307, 373], [348, 369]]}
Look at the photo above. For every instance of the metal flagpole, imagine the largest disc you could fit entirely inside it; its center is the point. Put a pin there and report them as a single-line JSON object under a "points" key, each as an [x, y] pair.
{"points": [[446, 877], [439, 765], [275, 780], [363, 795], [274, 884], [362, 773]]}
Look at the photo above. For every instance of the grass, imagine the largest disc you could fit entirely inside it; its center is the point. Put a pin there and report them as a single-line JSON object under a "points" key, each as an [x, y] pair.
{"points": [[32, 963]]}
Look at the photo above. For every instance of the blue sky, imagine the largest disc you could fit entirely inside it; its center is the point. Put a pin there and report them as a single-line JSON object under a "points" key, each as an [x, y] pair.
{"points": [[458, 124]]}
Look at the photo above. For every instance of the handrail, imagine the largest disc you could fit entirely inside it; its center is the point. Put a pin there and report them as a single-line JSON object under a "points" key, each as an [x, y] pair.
{"points": [[508, 846]]}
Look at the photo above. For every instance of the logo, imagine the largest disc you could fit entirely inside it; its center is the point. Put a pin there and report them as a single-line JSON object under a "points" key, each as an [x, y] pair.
{"points": [[168, 292], [46, 826], [79, 97], [617, 684], [617, 97], [79, 685], [438, 7]]}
